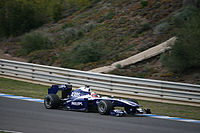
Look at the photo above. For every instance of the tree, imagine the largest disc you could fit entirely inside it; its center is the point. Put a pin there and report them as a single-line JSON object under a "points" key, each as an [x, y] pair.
{"points": [[185, 53], [18, 16]]}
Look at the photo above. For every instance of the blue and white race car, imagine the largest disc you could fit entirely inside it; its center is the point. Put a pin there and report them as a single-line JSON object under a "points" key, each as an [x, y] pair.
{"points": [[82, 99]]}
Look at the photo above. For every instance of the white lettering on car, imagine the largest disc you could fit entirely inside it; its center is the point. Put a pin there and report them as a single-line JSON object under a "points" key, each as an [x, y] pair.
{"points": [[77, 103], [61, 86], [75, 94]]}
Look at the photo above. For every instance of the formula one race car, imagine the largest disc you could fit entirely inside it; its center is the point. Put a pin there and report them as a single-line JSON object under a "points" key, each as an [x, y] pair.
{"points": [[82, 99]]}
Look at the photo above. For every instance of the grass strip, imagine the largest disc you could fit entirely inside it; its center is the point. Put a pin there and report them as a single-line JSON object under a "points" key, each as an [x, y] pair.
{"points": [[20, 88]]}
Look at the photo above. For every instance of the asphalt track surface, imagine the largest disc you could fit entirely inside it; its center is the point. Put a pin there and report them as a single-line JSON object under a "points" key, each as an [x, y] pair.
{"points": [[32, 117]]}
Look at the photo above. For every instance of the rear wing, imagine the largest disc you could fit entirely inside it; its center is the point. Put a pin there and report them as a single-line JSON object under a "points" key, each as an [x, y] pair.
{"points": [[66, 90]]}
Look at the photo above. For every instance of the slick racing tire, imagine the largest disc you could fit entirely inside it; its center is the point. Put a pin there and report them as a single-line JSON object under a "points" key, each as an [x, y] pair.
{"points": [[130, 110], [51, 101], [104, 107]]}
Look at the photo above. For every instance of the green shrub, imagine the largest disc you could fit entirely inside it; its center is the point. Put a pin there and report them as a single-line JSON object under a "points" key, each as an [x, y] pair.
{"points": [[67, 25], [95, 1], [88, 51], [185, 15], [144, 3], [118, 66], [191, 2], [185, 53], [35, 41], [57, 11], [85, 52], [70, 34], [20, 16], [17, 17], [88, 27], [107, 16], [162, 28], [197, 3], [140, 74], [144, 27]]}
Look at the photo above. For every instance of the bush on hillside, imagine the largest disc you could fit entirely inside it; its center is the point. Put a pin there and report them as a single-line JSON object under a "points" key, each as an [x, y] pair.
{"points": [[144, 27], [17, 17], [20, 16], [107, 16], [162, 28], [88, 51], [67, 25], [85, 52], [57, 11], [35, 41], [185, 53], [70, 34], [185, 15], [88, 27], [191, 2], [144, 3]]}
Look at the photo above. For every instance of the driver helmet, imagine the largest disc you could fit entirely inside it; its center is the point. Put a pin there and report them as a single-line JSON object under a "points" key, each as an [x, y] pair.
{"points": [[94, 94]]}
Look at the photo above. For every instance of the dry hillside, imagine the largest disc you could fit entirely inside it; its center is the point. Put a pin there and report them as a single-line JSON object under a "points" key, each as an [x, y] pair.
{"points": [[105, 32]]}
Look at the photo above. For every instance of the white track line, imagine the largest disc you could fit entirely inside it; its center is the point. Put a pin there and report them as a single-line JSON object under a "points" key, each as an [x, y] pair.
{"points": [[7, 131]]}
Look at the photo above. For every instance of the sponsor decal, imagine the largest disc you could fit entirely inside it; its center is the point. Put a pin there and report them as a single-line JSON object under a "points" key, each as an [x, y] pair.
{"points": [[77, 103], [76, 94], [139, 110], [61, 86]]}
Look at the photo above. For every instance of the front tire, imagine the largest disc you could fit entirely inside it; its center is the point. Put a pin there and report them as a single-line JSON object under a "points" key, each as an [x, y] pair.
{"points": [[104, 107], [131, 110], [51, 101]]}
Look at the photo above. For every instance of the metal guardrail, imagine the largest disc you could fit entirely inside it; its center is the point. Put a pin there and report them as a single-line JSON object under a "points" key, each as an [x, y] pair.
{"points": [[155, 90]]}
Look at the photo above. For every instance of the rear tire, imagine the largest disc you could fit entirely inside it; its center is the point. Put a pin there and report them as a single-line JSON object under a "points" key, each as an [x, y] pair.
{"points": [[104, 107], [51, 101]]}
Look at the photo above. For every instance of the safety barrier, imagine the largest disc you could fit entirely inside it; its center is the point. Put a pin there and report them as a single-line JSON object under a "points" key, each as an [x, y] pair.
{"points": [[129, 87]]}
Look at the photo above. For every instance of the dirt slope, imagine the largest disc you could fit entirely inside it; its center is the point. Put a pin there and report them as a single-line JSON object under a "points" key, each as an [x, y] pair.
{"points": [[124, 28]]}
